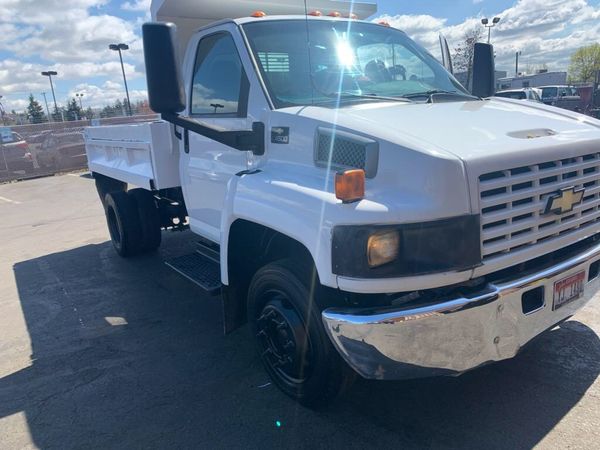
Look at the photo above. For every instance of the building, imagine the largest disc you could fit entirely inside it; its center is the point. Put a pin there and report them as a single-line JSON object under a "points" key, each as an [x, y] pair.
{"points": [[462, 77], [542, 78]]}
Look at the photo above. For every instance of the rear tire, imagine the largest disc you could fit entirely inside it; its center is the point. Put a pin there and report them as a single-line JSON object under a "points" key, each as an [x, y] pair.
{"points": [[123, 223], [149, 218], [104, 185], [293, 345]]}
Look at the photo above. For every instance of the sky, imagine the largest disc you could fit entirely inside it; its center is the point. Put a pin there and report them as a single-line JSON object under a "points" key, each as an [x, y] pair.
{"points": [[72, 38]]}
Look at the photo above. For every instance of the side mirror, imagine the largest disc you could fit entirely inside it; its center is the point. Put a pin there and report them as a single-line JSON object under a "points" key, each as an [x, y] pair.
{"points": [[163, 72], [446, 58], [484, 71]]}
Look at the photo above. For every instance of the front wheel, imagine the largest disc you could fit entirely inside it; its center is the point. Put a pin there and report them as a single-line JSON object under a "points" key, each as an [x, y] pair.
{"points": [[292, 342]]}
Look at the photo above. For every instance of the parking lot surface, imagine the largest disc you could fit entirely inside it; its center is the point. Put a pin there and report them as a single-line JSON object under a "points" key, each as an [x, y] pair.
{"points": [[101, 352]]}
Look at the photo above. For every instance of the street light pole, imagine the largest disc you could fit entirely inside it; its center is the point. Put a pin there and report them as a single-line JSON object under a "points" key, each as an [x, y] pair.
{"points": [[486, 23], [80, 96], [517, 54], [46, 102], [2, 112], [49, 75], [119, 48]]}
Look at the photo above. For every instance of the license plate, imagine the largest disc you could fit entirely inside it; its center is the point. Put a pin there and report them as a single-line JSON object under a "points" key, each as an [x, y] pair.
{"points": [[568, 289]]}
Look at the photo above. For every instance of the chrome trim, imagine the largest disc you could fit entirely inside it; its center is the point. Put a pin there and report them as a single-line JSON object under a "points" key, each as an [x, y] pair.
{"points": [[453, 335]]}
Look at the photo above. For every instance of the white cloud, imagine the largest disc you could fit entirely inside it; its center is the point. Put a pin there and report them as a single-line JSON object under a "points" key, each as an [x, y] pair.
{"points": [[107, 94], [68, 36], [137, 5], [545, 31]]}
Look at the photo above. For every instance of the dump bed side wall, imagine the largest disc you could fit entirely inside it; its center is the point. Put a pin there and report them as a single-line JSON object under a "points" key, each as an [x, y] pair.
{"points": [[144, 155]]}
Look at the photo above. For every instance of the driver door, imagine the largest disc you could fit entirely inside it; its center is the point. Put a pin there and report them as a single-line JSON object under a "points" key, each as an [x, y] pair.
{"points": [[221, 94]]}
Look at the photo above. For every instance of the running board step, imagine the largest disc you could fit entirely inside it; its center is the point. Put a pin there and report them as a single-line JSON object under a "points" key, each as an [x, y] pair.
{"points": [[200, 270]]}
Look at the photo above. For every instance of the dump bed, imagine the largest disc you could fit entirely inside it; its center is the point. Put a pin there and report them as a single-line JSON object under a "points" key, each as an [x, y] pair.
{"points": [[143, 155]]}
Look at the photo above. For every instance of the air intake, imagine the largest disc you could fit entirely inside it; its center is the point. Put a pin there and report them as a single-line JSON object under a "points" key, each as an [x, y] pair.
{"points": [[341, 150]]}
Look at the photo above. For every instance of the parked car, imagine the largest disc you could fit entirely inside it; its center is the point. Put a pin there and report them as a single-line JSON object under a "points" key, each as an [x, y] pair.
{"points": [[62, 151], [565, 97], [15, 155], [520, 94]]}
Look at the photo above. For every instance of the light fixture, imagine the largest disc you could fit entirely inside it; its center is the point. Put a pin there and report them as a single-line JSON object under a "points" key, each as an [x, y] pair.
{"points": [[383, 248]]}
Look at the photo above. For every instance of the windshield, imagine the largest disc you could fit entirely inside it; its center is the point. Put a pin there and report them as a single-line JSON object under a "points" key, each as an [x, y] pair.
{"points": [[346, 59], [517, 95], [549, 92]]}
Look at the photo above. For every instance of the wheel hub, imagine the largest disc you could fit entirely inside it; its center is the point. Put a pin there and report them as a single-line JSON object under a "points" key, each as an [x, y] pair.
{"points": [[283, 339]]}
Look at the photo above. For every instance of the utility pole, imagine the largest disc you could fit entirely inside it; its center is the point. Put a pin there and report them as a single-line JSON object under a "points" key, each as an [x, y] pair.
{"points": [[119, 48], [47, 110], [517, 54]]}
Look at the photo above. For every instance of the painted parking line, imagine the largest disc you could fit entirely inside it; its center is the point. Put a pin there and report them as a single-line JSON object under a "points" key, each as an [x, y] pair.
{"points": [[8, 200]]}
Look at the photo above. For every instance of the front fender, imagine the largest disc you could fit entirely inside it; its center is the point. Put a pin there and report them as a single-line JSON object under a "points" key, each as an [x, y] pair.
{"points": [[296, 204]]}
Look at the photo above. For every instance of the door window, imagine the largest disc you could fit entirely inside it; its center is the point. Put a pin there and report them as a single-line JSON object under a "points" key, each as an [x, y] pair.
{"points": [[219, 86]]}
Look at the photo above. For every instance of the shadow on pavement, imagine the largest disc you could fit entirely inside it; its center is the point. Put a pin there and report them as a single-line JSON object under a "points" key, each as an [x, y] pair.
{"points": [[125, 353]]}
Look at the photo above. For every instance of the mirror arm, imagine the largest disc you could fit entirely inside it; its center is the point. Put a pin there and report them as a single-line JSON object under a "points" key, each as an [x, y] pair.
{"points": [[244, 140]]}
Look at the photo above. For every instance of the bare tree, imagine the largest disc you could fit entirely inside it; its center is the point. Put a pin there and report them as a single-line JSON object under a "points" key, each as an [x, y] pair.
{"points": [[462, 59]]}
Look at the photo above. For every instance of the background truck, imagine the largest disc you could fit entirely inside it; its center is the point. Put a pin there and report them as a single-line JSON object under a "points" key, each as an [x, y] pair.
{"points": [[347, 196]]}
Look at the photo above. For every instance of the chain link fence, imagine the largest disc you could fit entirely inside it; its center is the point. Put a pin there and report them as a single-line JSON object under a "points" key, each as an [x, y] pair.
{"points": [[30, 151]]}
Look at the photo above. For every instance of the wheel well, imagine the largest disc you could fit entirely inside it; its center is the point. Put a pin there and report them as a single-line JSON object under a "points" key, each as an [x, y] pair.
{"points": [[250, 247]]}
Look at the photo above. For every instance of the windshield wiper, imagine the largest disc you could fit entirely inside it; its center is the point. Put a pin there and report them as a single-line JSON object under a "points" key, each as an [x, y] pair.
{"points": [[429, 94], [346, 94]]}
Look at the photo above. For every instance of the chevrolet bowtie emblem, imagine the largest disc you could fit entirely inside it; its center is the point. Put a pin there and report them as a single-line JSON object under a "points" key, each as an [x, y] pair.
{"points": [[564, 200]]}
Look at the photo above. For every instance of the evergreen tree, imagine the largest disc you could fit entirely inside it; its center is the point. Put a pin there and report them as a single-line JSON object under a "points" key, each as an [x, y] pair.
{"points": [[73, 110], [35, 111]]}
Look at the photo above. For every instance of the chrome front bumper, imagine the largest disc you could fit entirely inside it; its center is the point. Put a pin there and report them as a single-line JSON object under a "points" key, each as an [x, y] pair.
{"points": [[453, 335]]}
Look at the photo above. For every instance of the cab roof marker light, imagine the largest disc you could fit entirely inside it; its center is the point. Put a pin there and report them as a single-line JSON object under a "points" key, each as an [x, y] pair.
{"points": [[334, 14], [258, 14], [315, 13], [352, 16], [384, 23]]}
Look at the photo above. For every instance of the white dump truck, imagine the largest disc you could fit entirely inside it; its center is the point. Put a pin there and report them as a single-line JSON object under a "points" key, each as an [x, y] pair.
{"points": [[362, 210]]}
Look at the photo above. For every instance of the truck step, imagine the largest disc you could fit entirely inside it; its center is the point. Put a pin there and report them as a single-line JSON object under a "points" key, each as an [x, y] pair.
{"points": [[199, 269], [208, 249]]}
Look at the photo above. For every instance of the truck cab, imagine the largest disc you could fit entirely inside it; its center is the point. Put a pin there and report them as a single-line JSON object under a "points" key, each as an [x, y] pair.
{"points": [[365, 212]]}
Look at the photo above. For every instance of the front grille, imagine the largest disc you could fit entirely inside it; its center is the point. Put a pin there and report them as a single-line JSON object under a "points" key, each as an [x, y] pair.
{"points": [[513, 203]]}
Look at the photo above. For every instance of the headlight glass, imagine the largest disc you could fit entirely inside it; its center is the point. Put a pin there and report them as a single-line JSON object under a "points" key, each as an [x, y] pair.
{"points": [[383, 248]]}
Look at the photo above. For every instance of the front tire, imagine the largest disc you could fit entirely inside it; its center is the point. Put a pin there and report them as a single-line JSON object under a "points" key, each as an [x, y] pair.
{"points": [[293, 345]]}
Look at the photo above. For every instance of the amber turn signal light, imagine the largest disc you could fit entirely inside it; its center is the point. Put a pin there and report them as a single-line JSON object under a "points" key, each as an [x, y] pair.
{"points": [[335, 14], [350, 185], [315, 13], [258, 14]]}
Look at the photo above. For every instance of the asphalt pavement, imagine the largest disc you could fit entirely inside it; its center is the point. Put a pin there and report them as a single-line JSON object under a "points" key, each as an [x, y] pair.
{"points": [[101, 352]]}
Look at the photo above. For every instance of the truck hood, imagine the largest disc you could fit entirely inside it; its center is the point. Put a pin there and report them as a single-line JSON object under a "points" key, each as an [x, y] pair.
{"points": [[474, 131]]}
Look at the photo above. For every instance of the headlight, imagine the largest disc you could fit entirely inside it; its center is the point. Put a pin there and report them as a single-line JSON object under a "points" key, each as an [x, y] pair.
{"points": [[382, 248], [389, 251]]}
